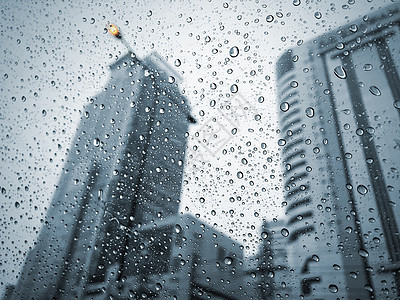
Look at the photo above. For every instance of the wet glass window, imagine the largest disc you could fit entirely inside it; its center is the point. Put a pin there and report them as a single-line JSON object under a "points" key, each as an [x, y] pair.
{"points": [[200, 150]]}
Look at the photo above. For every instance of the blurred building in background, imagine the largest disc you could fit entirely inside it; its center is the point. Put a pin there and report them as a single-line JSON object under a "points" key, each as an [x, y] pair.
{"points": [[272, 265], [179, 257], [339, 119], [269, 266], [124, 170]]}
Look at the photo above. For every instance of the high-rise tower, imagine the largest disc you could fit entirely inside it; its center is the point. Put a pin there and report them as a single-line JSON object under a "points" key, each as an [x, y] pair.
{"points": [[124, 168], [339, 118]]}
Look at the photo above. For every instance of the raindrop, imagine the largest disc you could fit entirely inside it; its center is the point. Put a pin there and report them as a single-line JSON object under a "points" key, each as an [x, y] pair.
{"points": [[363, 253], [284, 106], [339, 46], [333, 288], [353, 28], [375, 91], [353, 275], [234, 51], [261, 99], [360, 131], [171, 79], [285, 232], [264, 234], [178, 228], [96, 142], [44, 112], [177, 62], [239, 175], [296, 2], [396, 104], [257, 117], [234, 88], [281, 142], [294, 84], [362, 189], [228, 260], [269, 18], [17, 204], [310, 112], [367, 67], [318, 15], [336, 267], [340, 72]]}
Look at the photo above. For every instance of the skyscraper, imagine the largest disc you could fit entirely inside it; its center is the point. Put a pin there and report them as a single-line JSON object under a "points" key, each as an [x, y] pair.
{"points": [[272, 263], [124, 169], [339, 119]]}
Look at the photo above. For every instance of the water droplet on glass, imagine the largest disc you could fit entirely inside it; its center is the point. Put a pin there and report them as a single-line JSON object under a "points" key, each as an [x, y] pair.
{"points": [[284, 106], [396, 104], [339, 46], [285, 232], [367, 67], [353, 28], [234, 51], [228, 261], [269, 18], [281, 142], [171, 79], [239, 175], [362, 189], [318, 15], [178, 228], [353, 275], [177, 62], [296, 2], [294, 84], [234, 88], [264, 234], [309, 112], [336, 267], [333, 288], [17, 204], [363, 253], [340, 72], [360, 131], [96, 142], [375, 91]]}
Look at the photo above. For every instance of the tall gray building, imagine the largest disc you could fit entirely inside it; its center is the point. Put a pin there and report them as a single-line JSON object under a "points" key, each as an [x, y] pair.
{"points": [[339, 119], [124, 170]]}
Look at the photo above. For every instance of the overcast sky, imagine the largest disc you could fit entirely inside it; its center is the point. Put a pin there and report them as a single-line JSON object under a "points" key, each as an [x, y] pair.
{"points": [[55, 56]]}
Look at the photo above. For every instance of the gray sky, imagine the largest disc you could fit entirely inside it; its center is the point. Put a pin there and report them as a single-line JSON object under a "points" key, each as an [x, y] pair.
{"points": [[55, 56]]}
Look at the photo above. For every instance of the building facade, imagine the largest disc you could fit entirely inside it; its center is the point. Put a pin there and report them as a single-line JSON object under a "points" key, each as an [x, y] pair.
{"points": [[272, 267], [124, 170], [180, 257], [340, 140]]}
